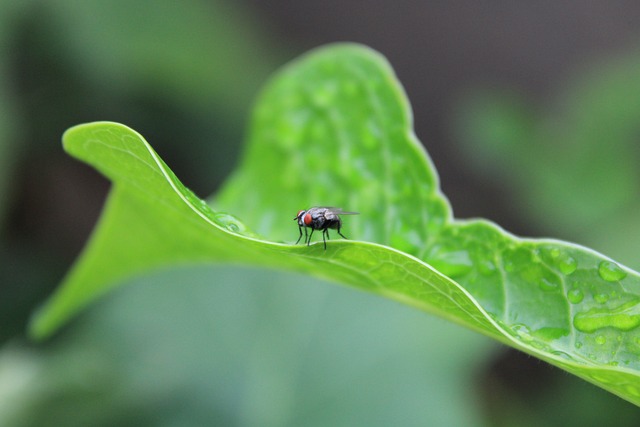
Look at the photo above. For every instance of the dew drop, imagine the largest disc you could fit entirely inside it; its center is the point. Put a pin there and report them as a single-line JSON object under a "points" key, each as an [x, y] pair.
{"points": [[228, 222], [548, 284], [562, 354], [535, 256], [601, 298], [578, 344], [324, 96], [610, 271], [601, 340], [559, 259], [575, 296], [567, 264], [538, 345], [550, 334], [372, 135], [624, 317], [523, 332]]}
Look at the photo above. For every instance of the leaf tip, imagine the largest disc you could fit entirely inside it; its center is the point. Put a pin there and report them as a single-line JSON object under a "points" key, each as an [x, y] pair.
{"points": [[39, 328]]}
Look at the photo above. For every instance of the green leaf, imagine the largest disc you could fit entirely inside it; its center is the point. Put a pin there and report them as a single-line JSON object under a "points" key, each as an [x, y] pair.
{"points": [[334, 128]]}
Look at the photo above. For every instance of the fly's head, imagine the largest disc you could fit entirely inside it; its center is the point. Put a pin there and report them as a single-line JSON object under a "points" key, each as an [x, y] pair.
{"points": [[304, 218]]}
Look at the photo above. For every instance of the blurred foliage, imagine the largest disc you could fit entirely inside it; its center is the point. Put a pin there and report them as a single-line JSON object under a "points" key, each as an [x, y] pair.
{"points": [[252, 348], [150, 62], [573, 165], [8, 114]]}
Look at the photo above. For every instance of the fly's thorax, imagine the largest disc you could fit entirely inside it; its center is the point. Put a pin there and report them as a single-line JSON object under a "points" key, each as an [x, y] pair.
{"points": [[331, 216], [314, 218], [316, 212]]}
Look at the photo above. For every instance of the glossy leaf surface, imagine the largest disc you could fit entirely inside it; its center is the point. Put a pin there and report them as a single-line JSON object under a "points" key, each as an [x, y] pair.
{"points": [[334, 129]]}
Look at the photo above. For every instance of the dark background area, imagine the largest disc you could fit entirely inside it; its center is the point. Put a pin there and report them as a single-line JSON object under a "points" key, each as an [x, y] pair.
{"points": [[65, 63]]}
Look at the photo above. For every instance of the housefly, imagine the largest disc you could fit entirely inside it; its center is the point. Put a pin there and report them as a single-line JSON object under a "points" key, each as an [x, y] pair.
{"points": [[320, 218]]}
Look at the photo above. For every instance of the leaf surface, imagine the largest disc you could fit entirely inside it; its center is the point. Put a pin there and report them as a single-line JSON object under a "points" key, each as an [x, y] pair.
{"points": [[334, 129]]}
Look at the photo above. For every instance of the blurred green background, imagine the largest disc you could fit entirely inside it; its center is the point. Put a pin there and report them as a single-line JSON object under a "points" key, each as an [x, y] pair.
{"points": [[530, 111]]}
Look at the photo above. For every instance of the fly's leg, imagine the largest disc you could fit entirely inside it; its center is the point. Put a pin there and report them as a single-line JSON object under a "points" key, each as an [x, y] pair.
{"points": [[310, 234], [299, 228], [325, 231], [343, 236]]}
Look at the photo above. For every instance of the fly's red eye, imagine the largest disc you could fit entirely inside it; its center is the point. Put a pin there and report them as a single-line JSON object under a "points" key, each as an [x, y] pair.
{"points": [[307, 219]]}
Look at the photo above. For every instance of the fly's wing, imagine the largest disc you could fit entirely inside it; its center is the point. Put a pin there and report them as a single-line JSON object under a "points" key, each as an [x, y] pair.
{"points": [[339, 211]]}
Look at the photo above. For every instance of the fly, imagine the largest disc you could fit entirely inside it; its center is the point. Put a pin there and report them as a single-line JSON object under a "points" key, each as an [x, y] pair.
{"points": [[320, 218]]}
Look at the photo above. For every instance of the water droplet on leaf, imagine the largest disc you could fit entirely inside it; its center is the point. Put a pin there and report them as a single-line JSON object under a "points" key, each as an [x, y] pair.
{"points": [[550, 334], [229, 222], [539, 346], [610, 271], [559, 259], [325, 95], [549, 283], [625, 317], [567, 264], [575, 296], [523, 332]]}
